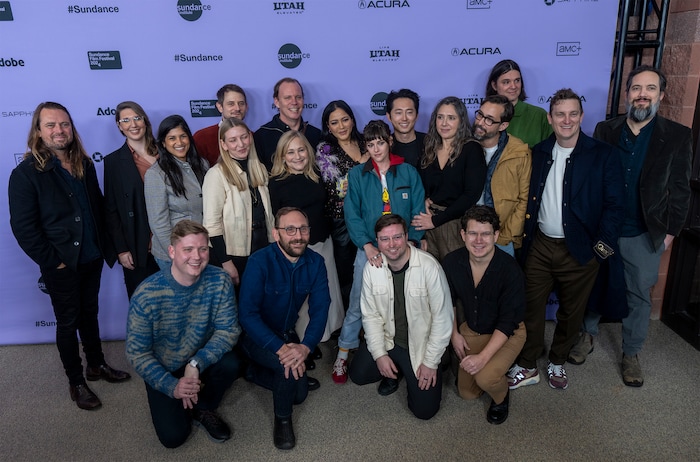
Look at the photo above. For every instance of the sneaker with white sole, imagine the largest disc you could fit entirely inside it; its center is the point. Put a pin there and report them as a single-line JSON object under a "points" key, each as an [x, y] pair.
{"points": [[557, 376], [520, 376], [340, 370]]}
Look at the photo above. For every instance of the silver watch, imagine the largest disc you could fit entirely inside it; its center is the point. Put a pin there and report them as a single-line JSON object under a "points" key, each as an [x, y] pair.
{"points": [[193, 362]]}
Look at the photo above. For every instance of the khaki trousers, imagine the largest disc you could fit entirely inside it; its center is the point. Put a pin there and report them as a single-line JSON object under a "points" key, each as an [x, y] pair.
{"points": [[492, 378]]}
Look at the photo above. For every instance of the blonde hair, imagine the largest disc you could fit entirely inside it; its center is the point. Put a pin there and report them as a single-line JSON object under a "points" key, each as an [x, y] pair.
{"points": [[279, 166], [256, 171]]}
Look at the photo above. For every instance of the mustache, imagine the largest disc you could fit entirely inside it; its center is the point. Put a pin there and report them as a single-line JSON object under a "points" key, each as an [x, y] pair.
{"points": [[299, 241]]}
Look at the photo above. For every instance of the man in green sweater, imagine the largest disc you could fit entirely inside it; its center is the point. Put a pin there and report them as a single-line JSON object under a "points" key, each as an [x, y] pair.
{"points": [[182, 326]]}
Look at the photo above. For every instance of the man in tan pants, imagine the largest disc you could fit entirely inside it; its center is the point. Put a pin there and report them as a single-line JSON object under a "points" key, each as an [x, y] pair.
{"points": [[489, 288]]}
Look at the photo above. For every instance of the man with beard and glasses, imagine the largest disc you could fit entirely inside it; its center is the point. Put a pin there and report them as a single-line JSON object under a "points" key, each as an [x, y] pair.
{"points": [[508, 165], [276, 281], [657, 158]]}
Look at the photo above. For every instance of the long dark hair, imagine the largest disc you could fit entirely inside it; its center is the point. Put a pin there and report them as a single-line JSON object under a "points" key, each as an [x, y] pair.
{"points": [[498, 70], [433, 140], [167, 161], [328, 137]]}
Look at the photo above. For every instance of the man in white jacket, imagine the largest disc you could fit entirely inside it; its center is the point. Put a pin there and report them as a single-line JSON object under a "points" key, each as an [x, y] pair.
{"points": [[407, 316]]}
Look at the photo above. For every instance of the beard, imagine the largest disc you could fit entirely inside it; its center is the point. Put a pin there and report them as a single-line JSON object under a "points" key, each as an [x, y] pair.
{"points": [[640, 114], [291, 251]]}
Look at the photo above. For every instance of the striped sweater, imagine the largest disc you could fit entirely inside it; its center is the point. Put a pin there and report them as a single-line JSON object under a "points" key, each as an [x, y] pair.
{"points": [[169, 324]]}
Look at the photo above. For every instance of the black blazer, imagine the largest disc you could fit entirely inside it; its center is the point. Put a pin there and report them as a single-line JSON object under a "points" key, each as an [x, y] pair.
{"points": [[127, 221], [45, 215], [664, 186], [593, 195]]}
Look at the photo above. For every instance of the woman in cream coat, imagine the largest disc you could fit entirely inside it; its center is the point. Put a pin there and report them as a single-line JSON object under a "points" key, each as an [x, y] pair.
{"points": [[237, 210]]}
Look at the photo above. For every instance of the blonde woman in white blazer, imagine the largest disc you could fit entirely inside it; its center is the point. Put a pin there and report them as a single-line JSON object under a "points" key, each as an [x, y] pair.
{"points": [[237, 210]]}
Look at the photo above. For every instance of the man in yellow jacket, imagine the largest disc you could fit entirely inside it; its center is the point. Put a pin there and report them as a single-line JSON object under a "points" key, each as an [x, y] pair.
{"points": [[509, 164]]}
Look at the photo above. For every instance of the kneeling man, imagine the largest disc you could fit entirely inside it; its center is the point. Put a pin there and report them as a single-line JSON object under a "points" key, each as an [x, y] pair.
{"points": [[407, 316], [488, 332], [182, 325]]}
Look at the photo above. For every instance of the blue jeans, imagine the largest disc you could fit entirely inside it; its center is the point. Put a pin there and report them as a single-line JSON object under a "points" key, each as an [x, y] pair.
{"points": [[641, 262], [171, 420], [269, 373], [350, 332], [508, 248]]}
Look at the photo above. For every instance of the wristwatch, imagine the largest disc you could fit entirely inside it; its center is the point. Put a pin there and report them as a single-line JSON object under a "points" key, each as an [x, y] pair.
{"points": [[194, 363]]}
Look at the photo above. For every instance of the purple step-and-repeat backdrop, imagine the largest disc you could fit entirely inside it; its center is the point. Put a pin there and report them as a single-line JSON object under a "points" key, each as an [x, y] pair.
{"points": [[171, 56]]}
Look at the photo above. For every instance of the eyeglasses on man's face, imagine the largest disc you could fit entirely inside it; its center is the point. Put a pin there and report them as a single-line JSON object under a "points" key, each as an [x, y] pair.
{"points": [[488, 120], [292, 230], [395, 238]]}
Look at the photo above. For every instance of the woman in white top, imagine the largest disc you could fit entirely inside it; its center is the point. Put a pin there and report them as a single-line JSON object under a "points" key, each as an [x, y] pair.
{"points": [[237, 210]]}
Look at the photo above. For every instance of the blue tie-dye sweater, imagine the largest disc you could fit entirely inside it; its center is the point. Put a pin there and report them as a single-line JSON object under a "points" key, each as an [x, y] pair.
{"points": [[169, 324]]}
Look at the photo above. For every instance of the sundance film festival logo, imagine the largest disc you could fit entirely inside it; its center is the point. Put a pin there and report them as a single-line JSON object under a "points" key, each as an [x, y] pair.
{"points": [[384, 54], [102, 60], [18, 158], [378, 103], [363, 4], [204, 108], [568, 48], [191, 10], [288, 7], [97, 157], [474, 51], [6, 12], [290, 56], [479, 4]]}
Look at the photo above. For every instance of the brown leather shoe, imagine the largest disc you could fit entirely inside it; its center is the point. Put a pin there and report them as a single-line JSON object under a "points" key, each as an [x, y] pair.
{"points": [[84, 397], [107, 373]]}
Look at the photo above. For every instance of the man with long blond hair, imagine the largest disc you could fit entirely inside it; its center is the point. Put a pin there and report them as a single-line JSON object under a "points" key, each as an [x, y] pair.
{"points": [[56, 215]]}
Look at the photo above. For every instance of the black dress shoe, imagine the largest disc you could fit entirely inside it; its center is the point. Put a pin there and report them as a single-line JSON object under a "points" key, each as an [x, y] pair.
{"points": [[215, 426], [84, 397], [310, 363], [316, 354], [498, 413], [284, 433], [314, 384], [388, 386], [107, 373]]}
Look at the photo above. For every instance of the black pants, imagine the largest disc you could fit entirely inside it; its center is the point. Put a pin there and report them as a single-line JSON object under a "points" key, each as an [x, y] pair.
{"points": [[134, 277], [423, 403], [171, 420], [74, 296]]}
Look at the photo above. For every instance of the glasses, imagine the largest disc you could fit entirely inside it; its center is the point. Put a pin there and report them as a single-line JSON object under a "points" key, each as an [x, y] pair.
{"points": [[386, 239], [488, 121], [484, 235], [292, 230], [127, 120]]}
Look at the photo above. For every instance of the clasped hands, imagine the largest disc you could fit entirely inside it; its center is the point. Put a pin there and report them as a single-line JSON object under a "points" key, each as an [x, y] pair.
{"points": [[292, 357], [188, 387]]}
